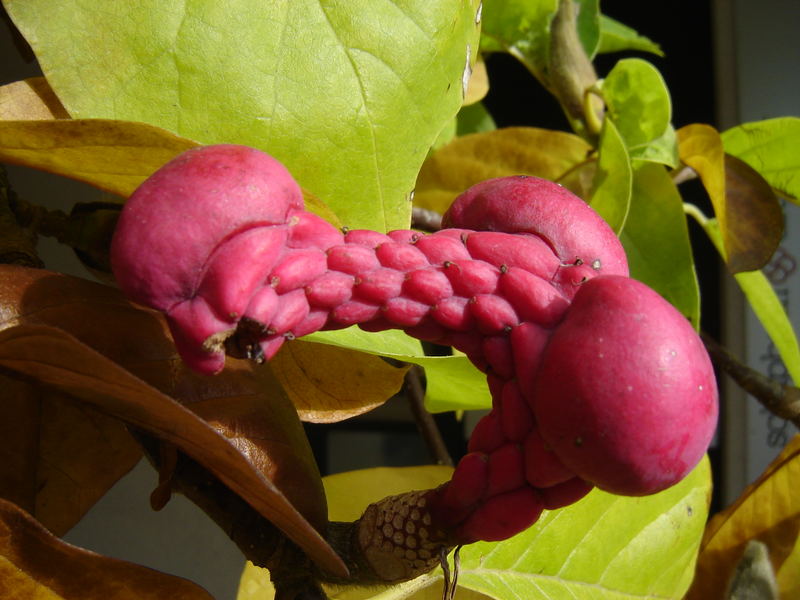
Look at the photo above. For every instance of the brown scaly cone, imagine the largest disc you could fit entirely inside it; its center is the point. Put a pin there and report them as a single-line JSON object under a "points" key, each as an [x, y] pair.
{"points": [[397, 538]]}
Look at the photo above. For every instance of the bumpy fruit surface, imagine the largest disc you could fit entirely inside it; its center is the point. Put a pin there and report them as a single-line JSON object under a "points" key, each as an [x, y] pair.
{"points": [[595, 379]]}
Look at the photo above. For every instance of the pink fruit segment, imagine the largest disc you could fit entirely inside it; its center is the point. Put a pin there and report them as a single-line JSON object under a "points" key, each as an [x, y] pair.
{"points": [[401, 256], [466, 488], [497, 352], [404, 312], [379, 285], [366, 237], [330, 290], [642, 394], [307, 230], [506, 470], [352, 259], [493, 314], [488, 434], [564, 494], [526, 252], [472, 277], [428, 286], [298, 268], [453, 313], [542, 467], [501, 516], [533, 298], [439, 248], [515, 415]]}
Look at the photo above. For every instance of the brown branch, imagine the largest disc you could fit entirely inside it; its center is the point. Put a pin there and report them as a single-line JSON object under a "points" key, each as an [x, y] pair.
{"points": [[781, 400], [17, 246], [425, 421]]}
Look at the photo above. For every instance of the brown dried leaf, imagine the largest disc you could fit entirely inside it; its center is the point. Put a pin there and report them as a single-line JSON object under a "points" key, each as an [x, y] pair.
{"points": [[329, 384], [30, 99], [553, 155], [56, 359], [769, 511], [36, 564], [754, 217]]}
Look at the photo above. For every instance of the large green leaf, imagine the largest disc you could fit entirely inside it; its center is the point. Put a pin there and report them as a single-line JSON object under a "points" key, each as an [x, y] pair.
{"points": [[656, 239], [349, 95], [604, 546], [638, 101], [770, 147]]}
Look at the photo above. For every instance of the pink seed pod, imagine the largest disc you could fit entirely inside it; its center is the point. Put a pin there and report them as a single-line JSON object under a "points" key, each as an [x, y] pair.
{"points": [[307, 230], [524, 204], [464, 490], [354, 312], [401, 256], [297, 268], [501, 516], [542, 467], [194, 328], [230, 296], [496, 349], [428, 286], [533, 298], [353, 259], [506, 470], [212, 192], [493, 314], [453, 313], [292, 310], [263, 306], [330, 290], [403, 236], [515, 416], [379, 285], [641, 391], [528, 341], [440, 248], [472, 277], [366, 237], [527, 252], [428, 330], [488, 434], [564, 494], [404, 312]]}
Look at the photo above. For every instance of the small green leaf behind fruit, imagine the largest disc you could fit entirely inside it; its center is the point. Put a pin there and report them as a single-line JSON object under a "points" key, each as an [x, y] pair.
{"points": [[613, 180], [616, 37]]}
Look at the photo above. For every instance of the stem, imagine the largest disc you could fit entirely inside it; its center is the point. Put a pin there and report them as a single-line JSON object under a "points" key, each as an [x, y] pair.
{"points": [[781, 400], [425, 421], [695, 212], [425, 219]]}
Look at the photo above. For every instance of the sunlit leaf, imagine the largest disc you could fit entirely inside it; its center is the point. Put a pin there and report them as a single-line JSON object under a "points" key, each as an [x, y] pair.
{"points": [[588, 24], [768, 510], [615, 37], [770, 147], [349, 95], [520, 27], [767, 307], [509, 151], [662, 150], [328, 383], [789, 574], [638, 102], [61, 361], [656, 239], [613, 180], [30, 99], [115, 156], [36, 564]]}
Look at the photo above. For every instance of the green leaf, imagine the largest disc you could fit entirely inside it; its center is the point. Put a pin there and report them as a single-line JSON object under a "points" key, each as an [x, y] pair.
{"points": [[656, 239], [616, 37], [613, 180], [453, 383], [638, 102], [474, 119], [521, 27], [604, 546], [589, 25], [770, 147], [349, 95], [662, 150], [766, 305]]}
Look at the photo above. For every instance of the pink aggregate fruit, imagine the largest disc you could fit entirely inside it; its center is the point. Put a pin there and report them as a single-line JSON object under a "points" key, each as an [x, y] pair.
{"points": [[595, 379]]}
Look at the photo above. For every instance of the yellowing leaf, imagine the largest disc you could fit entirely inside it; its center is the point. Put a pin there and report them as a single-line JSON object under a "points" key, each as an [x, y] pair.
{"points": [[700, 147], [328, 383], [478, 85], [510, 151], [30, 99], [34, 564], [769, 511], [115, 156]]}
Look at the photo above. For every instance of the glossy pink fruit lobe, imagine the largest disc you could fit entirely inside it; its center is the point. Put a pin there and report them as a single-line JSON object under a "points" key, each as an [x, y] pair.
{"points": [[625, 395]]}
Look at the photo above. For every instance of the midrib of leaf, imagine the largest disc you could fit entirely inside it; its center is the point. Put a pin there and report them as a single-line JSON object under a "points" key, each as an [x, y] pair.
{"points": [[365, 105]]}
